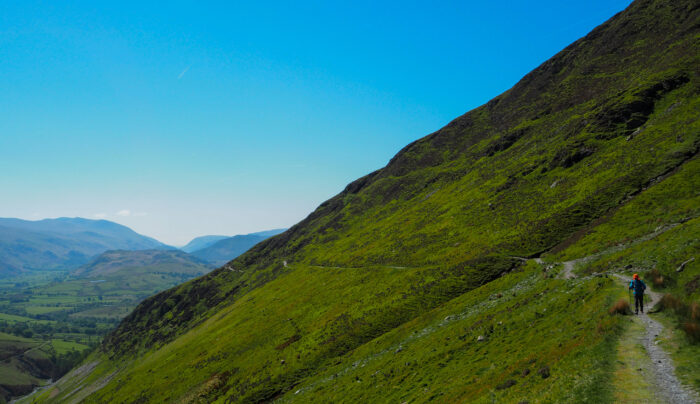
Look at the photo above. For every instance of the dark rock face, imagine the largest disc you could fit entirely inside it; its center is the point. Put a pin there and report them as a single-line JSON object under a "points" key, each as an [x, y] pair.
{"points": [[504, 142], [506, 384], [635, 113], [571, 155]]}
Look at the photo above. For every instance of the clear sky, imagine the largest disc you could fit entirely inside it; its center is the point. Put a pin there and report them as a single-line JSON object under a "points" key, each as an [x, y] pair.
{"points": [[186, 118]]}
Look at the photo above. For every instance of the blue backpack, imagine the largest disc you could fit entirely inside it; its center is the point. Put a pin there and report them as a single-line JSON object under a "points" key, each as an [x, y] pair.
{"points": [[638, 286]]}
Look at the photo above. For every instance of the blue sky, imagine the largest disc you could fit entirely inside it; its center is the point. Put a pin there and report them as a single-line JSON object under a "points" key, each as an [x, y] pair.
{"points": [[181, 119]]}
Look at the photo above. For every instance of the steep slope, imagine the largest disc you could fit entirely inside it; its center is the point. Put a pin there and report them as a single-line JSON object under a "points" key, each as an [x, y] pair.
{"points": [[198, 243], [122, 262], [63, 243], [223, 251], [411, 284]]}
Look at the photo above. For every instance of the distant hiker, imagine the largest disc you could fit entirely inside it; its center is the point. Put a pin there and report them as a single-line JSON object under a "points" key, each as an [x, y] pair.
{"points": [[639, 287]]}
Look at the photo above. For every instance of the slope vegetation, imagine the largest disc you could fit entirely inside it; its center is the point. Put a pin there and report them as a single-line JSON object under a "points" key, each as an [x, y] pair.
{"points": [[413, 284], [121, 262]]}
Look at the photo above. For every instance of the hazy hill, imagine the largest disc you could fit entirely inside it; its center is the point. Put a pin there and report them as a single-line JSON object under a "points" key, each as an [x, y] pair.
{"points": [[198, 243], [63, 243], [414, 283], [122, 262], [222, 251]]}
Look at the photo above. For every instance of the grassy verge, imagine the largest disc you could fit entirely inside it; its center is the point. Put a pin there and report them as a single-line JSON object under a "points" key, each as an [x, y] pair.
{"points": [[633, 376], [684, 353]]}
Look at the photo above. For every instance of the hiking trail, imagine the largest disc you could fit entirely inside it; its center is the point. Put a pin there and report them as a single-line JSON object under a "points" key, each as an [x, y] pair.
{"points": [[665, 385], [663, 370]]}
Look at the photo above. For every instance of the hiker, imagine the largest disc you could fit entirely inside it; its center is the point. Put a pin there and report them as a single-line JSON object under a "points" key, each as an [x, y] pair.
{"points": [[639, 287]]}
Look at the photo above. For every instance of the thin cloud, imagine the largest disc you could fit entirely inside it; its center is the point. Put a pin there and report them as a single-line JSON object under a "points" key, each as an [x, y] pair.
{"points": [[99, 215], [183, 72], [124, 213], [140, 214]]}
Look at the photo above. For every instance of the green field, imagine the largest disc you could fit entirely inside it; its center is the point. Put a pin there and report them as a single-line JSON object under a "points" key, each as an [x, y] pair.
{"points": [[54, 319], [444, 276]]}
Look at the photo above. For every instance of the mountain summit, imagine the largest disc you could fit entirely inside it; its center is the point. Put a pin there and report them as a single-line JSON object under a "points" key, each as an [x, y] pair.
{"points": [[419, 281]]}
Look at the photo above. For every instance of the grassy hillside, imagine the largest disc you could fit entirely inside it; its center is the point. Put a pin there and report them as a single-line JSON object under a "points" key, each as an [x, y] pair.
{"points": [[121, 262], [412, 284], [26, 362]]}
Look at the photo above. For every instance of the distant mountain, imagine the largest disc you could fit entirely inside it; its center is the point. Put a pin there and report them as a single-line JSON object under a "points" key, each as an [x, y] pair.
{"points": [[223, 251], [201, 242], [63, 243], [122, 262], [589, 163]]}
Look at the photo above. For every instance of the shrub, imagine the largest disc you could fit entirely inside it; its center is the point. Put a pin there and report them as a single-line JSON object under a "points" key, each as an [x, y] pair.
{"points": [[689, 315], [658, 281], [695, 312], [656, 278], [620, 307], [692, 330], [669, 302]]}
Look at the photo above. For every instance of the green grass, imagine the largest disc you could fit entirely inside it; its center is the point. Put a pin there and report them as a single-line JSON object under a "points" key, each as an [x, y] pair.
{"points": [[388, 285], [36, 310], [72, 314], [10, 318], [434, 348], [61, 346], [9, 375], [426, 358], [12, 338]]}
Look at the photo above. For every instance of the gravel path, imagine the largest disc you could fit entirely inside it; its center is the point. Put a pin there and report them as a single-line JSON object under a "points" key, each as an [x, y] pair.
{"points": [[663, 369], [568, 272]]}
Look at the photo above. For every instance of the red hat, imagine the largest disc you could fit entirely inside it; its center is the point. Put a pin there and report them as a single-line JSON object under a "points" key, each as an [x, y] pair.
{"points": [[635, 276]]}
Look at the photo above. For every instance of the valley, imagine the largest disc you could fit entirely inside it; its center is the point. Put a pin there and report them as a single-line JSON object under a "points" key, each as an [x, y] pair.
{"points": [[405, 287], [486, 262], [50, 320]]}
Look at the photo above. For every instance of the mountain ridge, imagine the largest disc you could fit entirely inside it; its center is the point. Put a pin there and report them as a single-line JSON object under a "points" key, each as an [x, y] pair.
{"points": [[170, 261], [222, 251], [410, 284], [63, 243], [200, 242]]}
